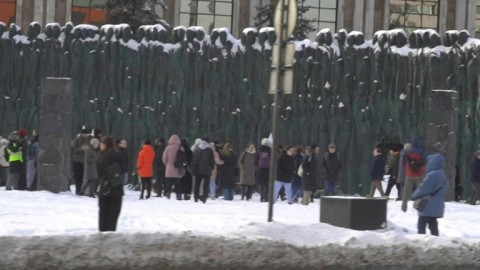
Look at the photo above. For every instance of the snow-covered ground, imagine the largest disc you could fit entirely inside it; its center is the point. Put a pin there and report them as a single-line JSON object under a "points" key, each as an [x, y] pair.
{"points": [[35, 222]]}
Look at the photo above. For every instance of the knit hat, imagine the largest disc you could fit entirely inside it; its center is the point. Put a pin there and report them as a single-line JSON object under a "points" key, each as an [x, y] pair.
{"points": [[22, 133], [332, 145], [266, 142]]}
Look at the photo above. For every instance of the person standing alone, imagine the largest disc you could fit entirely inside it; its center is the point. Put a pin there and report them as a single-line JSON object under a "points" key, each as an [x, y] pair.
{"points": [[145, 168]]}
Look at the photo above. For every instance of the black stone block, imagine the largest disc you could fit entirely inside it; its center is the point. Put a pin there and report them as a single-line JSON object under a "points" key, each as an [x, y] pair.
{"points": [[355, 213]]}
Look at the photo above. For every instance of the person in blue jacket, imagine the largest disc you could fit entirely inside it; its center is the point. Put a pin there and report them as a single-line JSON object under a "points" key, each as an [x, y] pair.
{"points": [[435, 186]]}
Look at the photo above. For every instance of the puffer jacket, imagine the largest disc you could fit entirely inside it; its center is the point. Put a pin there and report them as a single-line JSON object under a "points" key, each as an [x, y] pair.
{"points": [[169, 156], [145, 161], [434, 180]]}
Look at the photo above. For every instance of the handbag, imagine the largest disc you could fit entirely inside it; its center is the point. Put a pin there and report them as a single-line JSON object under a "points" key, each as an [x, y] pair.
{"points": [[420, 203]]}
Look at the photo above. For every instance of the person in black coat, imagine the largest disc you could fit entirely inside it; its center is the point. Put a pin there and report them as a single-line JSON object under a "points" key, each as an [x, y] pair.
{"points": [[186, 182], [309, 175], [202, 165], [377, 171], [285, 171], [159, 167], [475, 178], [227, 171], [124, 158], [110, 204], [262, 158], [331, 164]]}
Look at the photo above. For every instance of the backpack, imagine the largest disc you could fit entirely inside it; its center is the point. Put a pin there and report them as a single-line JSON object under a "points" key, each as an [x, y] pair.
{"points": [[264, 160], [415, 164], [180, 159], [112, 179]]}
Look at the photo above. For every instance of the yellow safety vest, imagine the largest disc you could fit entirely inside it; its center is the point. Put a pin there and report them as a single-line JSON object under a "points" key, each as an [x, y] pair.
{"points": [[15, 156]]}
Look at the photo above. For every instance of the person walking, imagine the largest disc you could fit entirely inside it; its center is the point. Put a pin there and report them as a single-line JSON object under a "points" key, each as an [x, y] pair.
{"points": [[377, 171], [434, 186], [110, 204], [391, 168], [173, 175], [297, 187], [309, 176], [145, 168], [475, 177], [227, 171], [78, 158], [285, 171], [246, 164], [90, 173]]}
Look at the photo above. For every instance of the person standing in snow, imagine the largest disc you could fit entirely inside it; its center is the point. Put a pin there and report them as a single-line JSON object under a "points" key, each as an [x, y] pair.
{"points": [[203, 163], [227, 171], [145, 168], [78, 158], [246, 163], [186, 182], [4, 165], [297, 187], [173, 176], [109, 204], [32, 153], [434, 185], [285, 172], [475, 178], [14, 154], [159, 167], [377, 171], [309, 166], [213, 178], [414, 163], [262, 163], [123, 153], [332, 165], [90, 173]]}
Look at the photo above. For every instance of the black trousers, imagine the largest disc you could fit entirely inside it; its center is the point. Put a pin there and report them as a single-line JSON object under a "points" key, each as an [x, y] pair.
{"points": [[109, 211], [78, 176], [146, 184], [169, 182], [432, 225], [391, 183], [204, 181]]}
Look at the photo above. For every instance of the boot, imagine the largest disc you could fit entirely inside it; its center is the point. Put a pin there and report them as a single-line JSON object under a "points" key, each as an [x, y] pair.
{"points": [[186, 197], [306, 197], [179, 196], [167, 194]]}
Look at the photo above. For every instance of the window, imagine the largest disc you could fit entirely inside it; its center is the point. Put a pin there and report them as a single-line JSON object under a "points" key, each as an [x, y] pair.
{"points": [[324, 14], [7, 11], [477, 20], [412, 15], [209, 14], [89, 12]]}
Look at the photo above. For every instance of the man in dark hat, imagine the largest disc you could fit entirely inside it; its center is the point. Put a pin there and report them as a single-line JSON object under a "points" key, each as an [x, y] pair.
{"points": [[331, 164], [78, 158]]}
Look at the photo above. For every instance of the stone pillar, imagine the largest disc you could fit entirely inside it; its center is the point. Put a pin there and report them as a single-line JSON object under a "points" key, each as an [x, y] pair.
{"points": [[54, 156], [369, 18], [471, 16], [442, 17], [358, 15], [460, 15], [441, 135]]}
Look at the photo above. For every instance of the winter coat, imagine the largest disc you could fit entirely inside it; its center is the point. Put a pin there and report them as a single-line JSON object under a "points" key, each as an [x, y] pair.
{"points": [[145, 161], [77, 151], [32, 152], [105, 159], [309, 166], [218, 162], [158, 165], [434, 180], [377, 168], [391, 168], [415, 152], [203, 161], [90, 163], [15, 146], [169, 156], [125, 159], [3, 160], [262, 174], [285, 168], [227, 171], [332, 165], [246, 163], [475, 169]]}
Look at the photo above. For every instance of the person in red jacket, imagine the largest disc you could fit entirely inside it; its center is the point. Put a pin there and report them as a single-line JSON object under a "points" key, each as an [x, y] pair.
{"points": [[145, 167]]}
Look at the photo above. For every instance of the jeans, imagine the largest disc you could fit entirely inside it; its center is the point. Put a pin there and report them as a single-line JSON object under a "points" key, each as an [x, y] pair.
{"points": [[288, 190], [213, 189], [125, 178], [330, 188], [228, 194], [146, 185], [432, 225], [297, 188]]}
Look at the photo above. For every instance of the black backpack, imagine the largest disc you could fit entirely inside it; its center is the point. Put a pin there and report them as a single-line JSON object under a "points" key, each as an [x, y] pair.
{"points": [[180, 159], [415, 165]]}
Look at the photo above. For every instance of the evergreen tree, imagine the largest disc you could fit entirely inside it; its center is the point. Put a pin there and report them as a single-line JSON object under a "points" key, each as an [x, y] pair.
{"points": [[266, 14], [133, 12]]}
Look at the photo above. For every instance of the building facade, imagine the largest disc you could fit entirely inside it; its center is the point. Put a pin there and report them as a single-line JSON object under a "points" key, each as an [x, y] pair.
{"points": [[367, 16]]}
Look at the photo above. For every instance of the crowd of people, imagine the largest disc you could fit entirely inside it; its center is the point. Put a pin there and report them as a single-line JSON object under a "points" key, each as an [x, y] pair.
{"points": [[208, 170]]}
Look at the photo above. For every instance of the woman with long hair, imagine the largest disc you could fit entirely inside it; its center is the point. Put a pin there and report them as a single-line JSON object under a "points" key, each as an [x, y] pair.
{"points": [[227, 171], [109, 203], [246, 163]]}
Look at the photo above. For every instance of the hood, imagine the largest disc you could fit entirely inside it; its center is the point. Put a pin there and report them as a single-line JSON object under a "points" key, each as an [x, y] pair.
{"points": [[416, 143], [195, 144], [147, 148], [174, 139], [203, 145], [435, 162]]}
